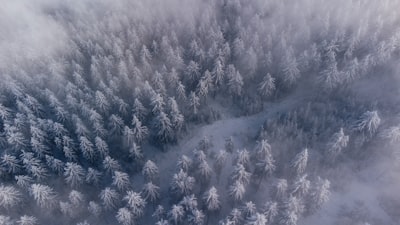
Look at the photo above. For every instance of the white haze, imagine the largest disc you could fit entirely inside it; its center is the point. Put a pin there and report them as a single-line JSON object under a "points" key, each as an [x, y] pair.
{"points": [[31, 33]]}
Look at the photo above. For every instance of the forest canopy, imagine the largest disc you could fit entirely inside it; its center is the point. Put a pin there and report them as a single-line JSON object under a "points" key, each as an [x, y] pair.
{"points": [[199, 112]]}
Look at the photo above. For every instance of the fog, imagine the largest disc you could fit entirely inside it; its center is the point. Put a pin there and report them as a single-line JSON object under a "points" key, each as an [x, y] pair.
{"points": [[91, 91]]}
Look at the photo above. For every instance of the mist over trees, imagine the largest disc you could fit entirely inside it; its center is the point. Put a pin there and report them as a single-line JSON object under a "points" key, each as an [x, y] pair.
{"points": [[199, 112]]}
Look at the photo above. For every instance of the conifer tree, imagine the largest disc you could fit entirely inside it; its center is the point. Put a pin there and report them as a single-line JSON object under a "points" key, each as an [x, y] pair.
{"points": [[9, 197]]}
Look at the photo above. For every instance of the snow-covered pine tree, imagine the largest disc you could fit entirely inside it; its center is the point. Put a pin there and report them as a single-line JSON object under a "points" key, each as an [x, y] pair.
{"points": [[182, 183], [229, 145], [289, 218], [192, 71], [140, 131], [265, 165], [243, 158], [159, 213], [219, 163], [138, 109], [39, 147], [10, 163], [368, 122], [115, 124], [27, 220], [211, 200], [151, 192], [68, 210], [290, 66], [9, 197], [101, 146], [76, 198], [101, 102], [162, 127], [235, 81], [248, 209], [293, 208], [240, 174], [93, 176], [162, 222], [264, 168], [6, 220], [337, 143], [83, 223], [33, 165], [184, 163], [111, 165], [331, 76], [135, 202], [205, 85], [15, 138], [70, 153], [125, 216], [218, 72], [196, 217], [74, 174], [299, 163], [158, 83], [87, 148], [189, 202], [121, 180], [181, 91], [44, 195], [271, 211], [267, 86], [54, 164], [129, 136], [392, 134], [199, 156], [258, 219], [176, 214], [301, 186], [204, 172], [158, 103], [24, 181], [172, 78], [194, 103], [320, 193], [150, 171], [234, 217], [280, 188], [177, 119], [110, 198], [237, 191], [94, 208], [205, 144]]}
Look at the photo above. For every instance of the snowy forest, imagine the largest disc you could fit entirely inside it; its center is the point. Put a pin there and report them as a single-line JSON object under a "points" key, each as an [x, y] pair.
{"points": [[199, 112]]}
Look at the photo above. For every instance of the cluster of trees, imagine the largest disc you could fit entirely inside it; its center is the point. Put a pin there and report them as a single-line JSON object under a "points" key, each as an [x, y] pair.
{"points": [[75, 131]]}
